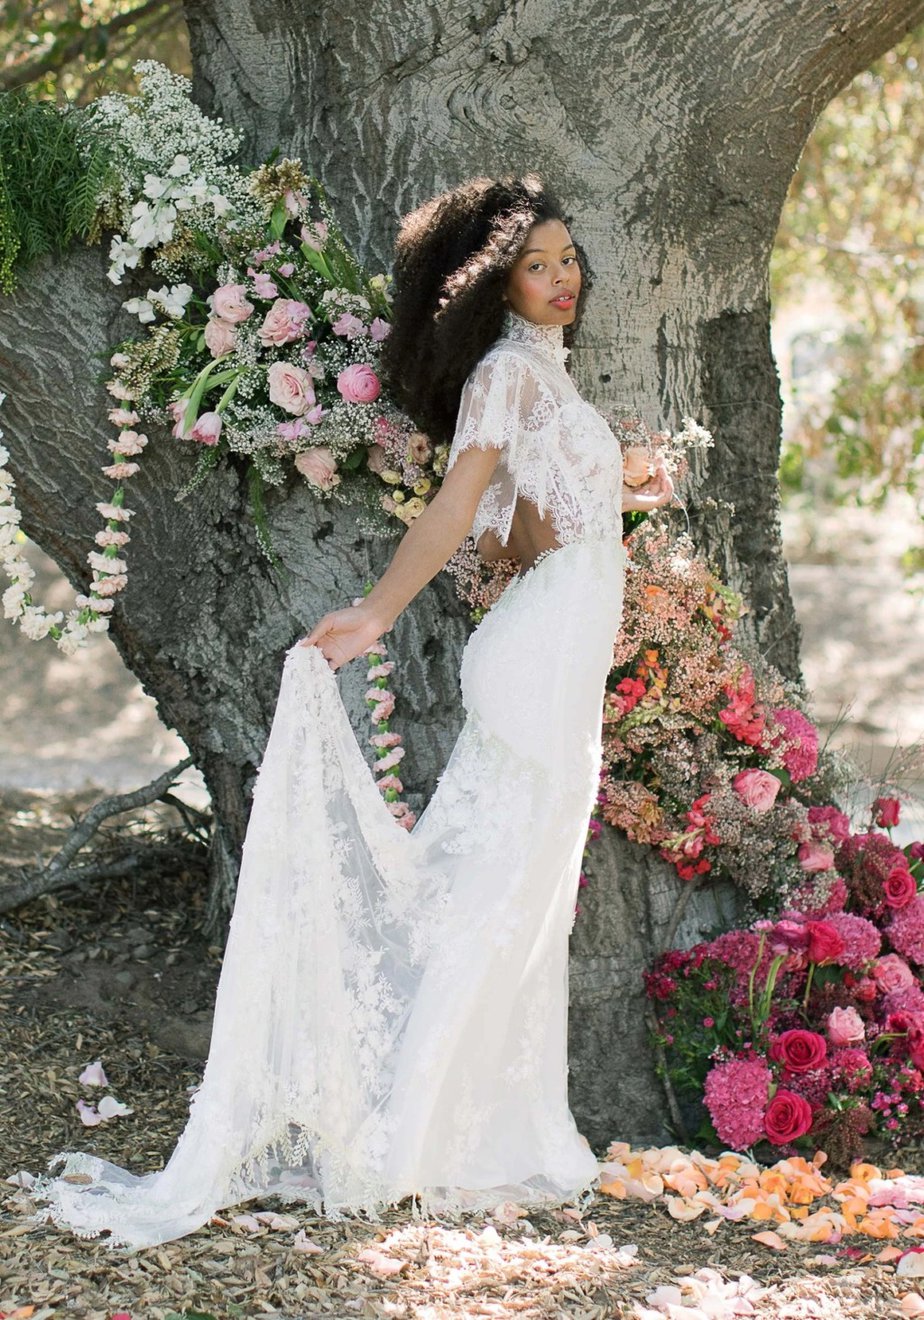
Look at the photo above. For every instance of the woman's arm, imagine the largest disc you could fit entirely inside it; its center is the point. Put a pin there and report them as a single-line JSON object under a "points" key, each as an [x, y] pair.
{"points": [[430, 540]]}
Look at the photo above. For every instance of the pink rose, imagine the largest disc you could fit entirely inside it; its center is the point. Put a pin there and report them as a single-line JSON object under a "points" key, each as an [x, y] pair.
{"points": [[887, 812], [207, 428], [825, 942], [318, 466], [845, 1027], [229, 303], [376, 459], [787, 936], [359, 383], [284, 322], [799, 1051], [757, 788], [787, 1117], [816, 856], [379, 329], [220, 336], [899, 887], [290, 387], [892, 973]]}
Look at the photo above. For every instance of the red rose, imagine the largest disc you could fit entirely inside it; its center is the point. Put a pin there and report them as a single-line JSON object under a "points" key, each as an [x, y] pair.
{"points": [[825, 942], [887, 811], [799, 1050], [899, 887], [787, 1116]]}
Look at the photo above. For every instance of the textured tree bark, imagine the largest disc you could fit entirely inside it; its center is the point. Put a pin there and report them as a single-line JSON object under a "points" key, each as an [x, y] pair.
{"points": [[672, 132]]}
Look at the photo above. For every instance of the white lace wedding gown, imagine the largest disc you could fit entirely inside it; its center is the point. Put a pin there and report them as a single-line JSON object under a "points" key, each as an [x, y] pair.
{"points": [[392, 1010]]}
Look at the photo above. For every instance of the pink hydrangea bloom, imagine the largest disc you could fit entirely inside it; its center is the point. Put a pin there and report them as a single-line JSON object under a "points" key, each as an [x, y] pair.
{"points": [[862, 940], [906, 930], [909, 999], [850, 1068], [736, 1096], [800, 756]]}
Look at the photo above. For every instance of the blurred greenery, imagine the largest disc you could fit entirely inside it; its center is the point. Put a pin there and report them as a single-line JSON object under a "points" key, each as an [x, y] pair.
{"points": [[75, 50], [849, 258]]}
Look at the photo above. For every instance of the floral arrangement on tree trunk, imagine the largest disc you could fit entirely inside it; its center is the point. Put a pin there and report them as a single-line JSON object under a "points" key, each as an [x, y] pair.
{"points": [[808, 1029]]}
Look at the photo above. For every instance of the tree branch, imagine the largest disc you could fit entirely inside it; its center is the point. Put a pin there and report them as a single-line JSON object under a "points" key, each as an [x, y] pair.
{"points": [[57, 874], [63, 52]]}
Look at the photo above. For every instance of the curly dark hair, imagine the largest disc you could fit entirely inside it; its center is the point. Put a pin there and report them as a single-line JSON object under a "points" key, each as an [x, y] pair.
{"points": [[452, 258]]}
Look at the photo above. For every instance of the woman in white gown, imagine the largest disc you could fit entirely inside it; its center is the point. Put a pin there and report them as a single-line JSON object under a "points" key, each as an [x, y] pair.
{"points": [[391, 1017]]}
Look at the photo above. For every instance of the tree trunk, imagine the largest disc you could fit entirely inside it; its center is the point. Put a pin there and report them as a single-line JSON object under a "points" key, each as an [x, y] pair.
{"points": [[672, 132]]}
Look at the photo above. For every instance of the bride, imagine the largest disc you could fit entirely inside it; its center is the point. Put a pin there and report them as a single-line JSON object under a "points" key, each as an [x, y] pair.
{"points": [[391, 1017]]}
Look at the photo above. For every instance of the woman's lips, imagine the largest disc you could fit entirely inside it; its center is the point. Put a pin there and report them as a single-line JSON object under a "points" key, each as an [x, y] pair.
{"points": [[563, 300]]}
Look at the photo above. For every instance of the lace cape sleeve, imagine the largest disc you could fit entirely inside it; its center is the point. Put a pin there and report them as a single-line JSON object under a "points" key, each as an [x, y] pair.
{"points": [[506, 405]]}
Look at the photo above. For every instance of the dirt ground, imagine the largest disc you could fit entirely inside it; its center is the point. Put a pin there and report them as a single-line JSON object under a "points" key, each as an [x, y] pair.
{"points": [[122, 973]]}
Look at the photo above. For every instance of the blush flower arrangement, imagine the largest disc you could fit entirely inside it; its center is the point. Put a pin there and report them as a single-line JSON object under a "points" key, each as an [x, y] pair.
{"points": [[808, 1030], [708, 755]]}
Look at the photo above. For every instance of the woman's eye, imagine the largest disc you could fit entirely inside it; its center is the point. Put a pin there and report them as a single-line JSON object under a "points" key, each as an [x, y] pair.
{"points": [[535, 265], [570, 259]]}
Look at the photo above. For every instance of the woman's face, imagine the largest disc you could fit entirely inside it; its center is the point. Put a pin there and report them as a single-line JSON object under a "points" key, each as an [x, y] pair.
{"points": [[545, 281]]}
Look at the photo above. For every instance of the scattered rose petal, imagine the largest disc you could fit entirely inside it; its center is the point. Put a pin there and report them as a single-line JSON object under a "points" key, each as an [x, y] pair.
{"points": [[88, 1115], [301, 1242], [93, 1075], [110, 1107], [381, 1265], [770, 1239]]}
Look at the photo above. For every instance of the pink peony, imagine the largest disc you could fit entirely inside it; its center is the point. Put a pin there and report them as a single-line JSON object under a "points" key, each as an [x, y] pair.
{"points": [[284, 321], [861, 939], [892, 973], [291, 388], [359, 383], [736, 1096], [207, 428], [886, 811], [799, 1051], [220, 336], [816, 856], [230, 304], [906, 930], [319, 467], [787, 1117], [379, 330], [845, 1027], [799, 741], [757, 788], [787, 935]]}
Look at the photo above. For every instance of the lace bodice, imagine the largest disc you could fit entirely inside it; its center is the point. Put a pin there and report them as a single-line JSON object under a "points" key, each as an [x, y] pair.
{"points": [[557, 451]]}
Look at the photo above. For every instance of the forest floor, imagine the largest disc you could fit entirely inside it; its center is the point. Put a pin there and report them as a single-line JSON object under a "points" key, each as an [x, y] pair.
{"points": [[123, 973]]}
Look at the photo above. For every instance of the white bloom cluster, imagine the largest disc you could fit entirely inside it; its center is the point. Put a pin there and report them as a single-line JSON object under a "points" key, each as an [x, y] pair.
{"points": [[168, 301], [335, 301]]}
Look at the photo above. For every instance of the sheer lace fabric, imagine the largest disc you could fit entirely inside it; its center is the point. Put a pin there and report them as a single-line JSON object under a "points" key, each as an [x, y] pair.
{"points": [[391, 1017], [557, 451]]}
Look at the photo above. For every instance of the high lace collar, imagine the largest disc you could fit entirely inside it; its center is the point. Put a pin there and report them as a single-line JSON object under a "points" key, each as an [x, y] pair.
{"points": [[548, 339]]}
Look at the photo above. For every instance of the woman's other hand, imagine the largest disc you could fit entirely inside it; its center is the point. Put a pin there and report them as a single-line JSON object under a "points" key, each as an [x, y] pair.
{"points": [[344, 634], [656, 491]]}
